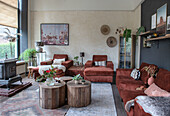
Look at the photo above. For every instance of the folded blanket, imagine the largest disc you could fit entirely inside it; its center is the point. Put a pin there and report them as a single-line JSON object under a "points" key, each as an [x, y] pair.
{"points": [[47, 67], [156, 106]]}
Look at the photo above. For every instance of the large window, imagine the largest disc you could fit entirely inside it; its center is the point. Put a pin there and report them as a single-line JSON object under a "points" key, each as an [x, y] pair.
{"points": [[9, 20]]}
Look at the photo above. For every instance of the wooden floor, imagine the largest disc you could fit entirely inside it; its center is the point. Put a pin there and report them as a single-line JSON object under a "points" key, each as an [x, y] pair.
{"points": [[119, 104]]}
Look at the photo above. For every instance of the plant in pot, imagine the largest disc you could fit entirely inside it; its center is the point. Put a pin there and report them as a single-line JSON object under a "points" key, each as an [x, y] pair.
{"points": [[127, 34], [76, 62], [77, 78], [83, 81], [28, 56]]}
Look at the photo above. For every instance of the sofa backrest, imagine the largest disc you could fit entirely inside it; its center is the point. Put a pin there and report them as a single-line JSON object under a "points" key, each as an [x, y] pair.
{"points": [[143, 74], [163, 79], [60, 56], [99, 58]]}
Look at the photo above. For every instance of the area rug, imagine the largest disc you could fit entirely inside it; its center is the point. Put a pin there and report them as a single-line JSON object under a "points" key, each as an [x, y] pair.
{"points": [[26, 103], [15, 88], [102, 103]]}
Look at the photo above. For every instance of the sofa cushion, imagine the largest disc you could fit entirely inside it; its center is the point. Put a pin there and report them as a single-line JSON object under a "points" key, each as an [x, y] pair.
{"points": [[144, 74], [163, 79], [60, 56], [123, 79], [100, 71], [99, 58]]}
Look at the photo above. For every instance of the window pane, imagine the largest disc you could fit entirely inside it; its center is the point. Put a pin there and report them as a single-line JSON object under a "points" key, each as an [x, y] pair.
{"points": [[7, 47]]}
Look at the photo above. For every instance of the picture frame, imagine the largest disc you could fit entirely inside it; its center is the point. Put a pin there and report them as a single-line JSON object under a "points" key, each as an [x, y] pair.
{"points": [[168, 23], [153, 21], [55, 34], [161, 19]]}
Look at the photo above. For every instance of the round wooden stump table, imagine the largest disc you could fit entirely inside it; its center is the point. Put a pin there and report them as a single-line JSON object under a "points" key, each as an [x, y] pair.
{"points": [[51, 97], [79, 95]]}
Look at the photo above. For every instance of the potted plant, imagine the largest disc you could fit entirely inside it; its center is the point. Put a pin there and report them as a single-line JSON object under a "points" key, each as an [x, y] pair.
{"points": [[127, 34], [83, 81], [76, 62], [77, 78], [28, 56]]}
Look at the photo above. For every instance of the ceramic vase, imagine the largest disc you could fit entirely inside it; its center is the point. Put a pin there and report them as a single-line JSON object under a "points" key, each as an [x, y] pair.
{"points": [[76, 81], [50, 81]]}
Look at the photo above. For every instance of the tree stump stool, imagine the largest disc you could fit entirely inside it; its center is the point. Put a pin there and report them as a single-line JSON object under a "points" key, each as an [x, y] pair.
{"points": [[79, 95], [51, 97]]}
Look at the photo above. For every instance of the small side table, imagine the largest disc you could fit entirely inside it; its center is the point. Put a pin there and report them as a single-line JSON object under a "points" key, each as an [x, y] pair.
{"points": [[79, 95], [51, 97], [74, 70], [30, 69]]}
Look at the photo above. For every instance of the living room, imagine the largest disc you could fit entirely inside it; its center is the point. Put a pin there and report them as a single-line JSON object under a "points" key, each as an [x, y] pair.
{"points": [[84, 57]]}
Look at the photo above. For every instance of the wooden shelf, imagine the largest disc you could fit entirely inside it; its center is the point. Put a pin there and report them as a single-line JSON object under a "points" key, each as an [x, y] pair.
{"points": [[147, 33], [159, 38]]}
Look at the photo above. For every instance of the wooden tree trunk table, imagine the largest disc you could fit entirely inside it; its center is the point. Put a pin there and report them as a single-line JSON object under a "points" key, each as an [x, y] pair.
{"points": [[79, 95], [51, 97]]}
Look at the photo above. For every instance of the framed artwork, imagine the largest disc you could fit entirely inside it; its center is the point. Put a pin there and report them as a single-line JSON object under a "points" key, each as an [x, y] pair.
{"points": [[161, 19], [168, 23], [55, 34], [153, 21]]}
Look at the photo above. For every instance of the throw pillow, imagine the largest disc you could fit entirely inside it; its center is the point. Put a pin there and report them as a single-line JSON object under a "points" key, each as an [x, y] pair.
{"points": [[58, 61], [135, 74], [100, 63], [154, 90]]}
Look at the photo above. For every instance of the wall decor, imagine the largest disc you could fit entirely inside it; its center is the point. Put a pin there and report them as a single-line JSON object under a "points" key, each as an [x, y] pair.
{"points": [[55, 34], [161, 19], [105, 29], [111, 41], [168, 23], [153, 21]]}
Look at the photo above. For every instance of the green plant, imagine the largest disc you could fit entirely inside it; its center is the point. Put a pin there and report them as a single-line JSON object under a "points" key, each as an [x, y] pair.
{"points": [[77, 77], [76, 57], [140, 29], [28, 53], [127, 34]]}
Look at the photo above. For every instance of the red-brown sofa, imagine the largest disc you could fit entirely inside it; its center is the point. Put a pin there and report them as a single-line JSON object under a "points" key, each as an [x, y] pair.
{"points": [[99, 73], [67, 64], [127, 86]]}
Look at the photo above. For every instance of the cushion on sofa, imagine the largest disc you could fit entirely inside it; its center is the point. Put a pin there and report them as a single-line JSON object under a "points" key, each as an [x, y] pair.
{"points": [[163, 79], [102, 71], [154, 90]]}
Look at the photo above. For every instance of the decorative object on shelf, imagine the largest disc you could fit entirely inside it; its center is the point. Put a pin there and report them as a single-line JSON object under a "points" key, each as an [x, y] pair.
{"points": [[168, 23], [29, 55], [7, 35], [152, 71], [146, 44], [55, 34], [120, 30], [153, 21], [105, 29], [76, 62], [127, 34], [161, 19], [111, 41], [140, 30], [77, 78], [82, 55], [39, 46]]}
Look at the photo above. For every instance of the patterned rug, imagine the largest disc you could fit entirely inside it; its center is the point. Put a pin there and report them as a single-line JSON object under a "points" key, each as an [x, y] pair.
{"points": [[102, 103], [26, 103]]}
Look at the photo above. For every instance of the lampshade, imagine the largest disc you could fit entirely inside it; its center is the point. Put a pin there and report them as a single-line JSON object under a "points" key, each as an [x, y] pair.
{"points": [[82, 54], [39, 43]]}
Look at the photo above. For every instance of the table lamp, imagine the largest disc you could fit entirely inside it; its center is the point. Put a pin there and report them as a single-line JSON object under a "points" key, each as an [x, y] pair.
{"points": [[82, 55]]}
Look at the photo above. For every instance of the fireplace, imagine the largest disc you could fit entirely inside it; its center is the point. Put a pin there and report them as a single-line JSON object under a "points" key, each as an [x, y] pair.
{"points": [[8, 72]]}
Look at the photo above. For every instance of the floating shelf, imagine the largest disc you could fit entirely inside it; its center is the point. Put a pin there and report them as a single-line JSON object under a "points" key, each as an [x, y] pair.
{"points": [[147, 33], [159, 38]]}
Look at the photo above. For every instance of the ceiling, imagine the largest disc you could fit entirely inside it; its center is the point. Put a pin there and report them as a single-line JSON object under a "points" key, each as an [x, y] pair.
{"points": [[52, 5]]}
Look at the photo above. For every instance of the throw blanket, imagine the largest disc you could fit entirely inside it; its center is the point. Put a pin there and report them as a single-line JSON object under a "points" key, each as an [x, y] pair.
{"points": [[47, 67], [156, 106]]}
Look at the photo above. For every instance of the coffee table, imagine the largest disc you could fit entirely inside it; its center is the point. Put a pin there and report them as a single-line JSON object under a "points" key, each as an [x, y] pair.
{"points": [[78, 95], [51, 97], [66, 78]]}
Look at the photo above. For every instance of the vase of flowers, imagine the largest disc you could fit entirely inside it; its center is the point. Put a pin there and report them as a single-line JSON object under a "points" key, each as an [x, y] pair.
{"points": [[77, 78]]}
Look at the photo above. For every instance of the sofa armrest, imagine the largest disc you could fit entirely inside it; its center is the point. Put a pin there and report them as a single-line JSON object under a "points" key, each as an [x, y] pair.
{"points": [[110, 64], [68, 63], [89, 63], [123, 72], [48, 62]]}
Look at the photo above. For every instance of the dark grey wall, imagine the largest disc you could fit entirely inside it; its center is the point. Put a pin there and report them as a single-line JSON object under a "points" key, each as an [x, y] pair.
{"points": [[159, 53]]}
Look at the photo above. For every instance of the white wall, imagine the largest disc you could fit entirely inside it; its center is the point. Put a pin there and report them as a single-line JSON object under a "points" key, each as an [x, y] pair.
{"points": [[84, 31]]}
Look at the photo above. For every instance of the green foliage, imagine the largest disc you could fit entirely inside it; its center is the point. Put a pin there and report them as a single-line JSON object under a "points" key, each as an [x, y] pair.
{"points": [[76, 57], [5, 48], [141, 29], [77, 77], [28, 53], [127, 34]]}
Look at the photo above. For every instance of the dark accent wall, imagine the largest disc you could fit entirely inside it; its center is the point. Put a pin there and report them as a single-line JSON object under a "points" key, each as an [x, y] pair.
{"points": [[159, 53]]}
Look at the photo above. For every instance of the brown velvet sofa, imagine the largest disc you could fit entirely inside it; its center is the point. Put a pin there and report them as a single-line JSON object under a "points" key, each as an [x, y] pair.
{"points": [[127, 86], [67, 64], [99, 73]]}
